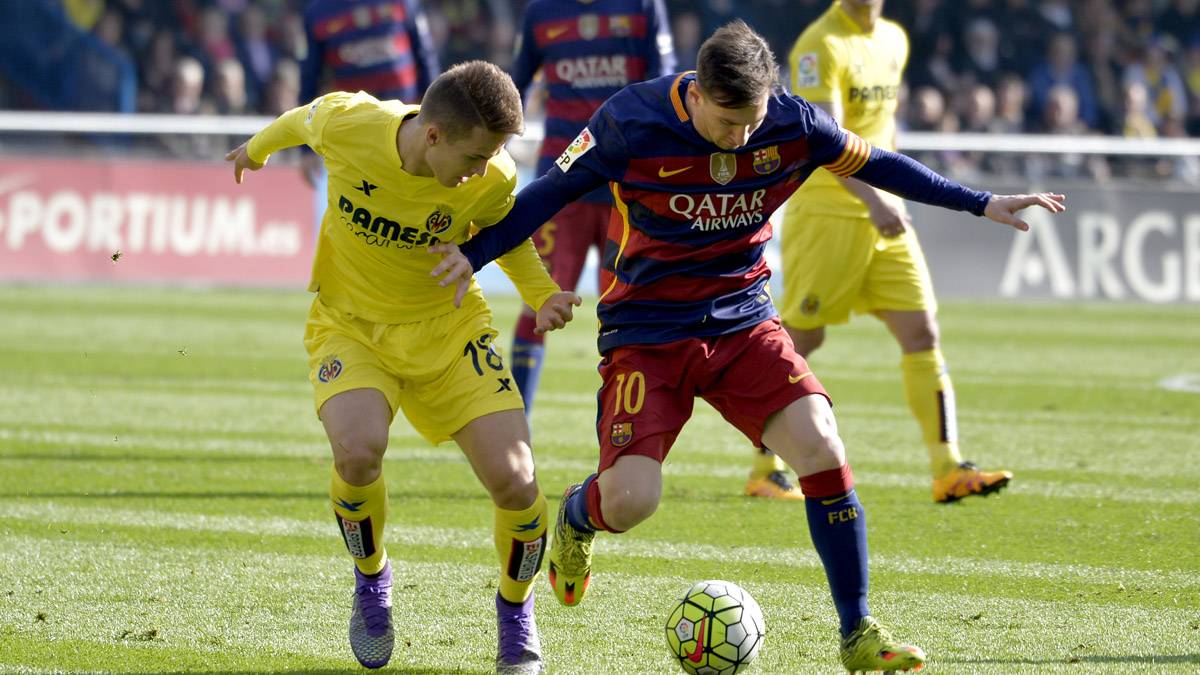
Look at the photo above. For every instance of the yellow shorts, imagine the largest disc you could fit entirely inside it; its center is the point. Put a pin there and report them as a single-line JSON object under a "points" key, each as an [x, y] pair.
{"points": [[443, 372], [832, 266]]}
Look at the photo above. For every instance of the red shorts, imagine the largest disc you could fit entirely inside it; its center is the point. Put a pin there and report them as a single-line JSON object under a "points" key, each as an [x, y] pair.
{"points": [[564, 240], [649, 390]]}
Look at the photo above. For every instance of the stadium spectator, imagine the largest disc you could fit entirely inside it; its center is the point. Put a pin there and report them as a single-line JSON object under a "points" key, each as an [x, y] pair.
{"points": [[1191, 76], [283, 89], [212, 36], [1164, 86], [1136, 120], [1103, 62], [1060, 115], [1061, 67], [229, 87], [157, 67], [980, 61], [1011, 95], [255, 50]]}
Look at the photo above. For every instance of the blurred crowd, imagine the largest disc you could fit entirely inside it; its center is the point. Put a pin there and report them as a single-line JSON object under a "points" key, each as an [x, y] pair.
{"points": [[1120, 67]]}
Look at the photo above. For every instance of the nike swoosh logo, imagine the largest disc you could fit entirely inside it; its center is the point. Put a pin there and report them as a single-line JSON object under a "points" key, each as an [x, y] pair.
{"points": [[663, 173], [698, 652], [555, 32], [793, 379], [830, 502]]}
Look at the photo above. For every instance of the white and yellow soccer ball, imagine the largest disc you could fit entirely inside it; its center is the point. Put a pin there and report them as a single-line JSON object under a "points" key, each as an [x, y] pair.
{"points": [[716, 628]]}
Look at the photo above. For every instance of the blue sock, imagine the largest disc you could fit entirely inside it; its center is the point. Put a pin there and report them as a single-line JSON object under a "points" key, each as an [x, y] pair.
{"points": [[577, 508], [839, 532], [527, 368]]}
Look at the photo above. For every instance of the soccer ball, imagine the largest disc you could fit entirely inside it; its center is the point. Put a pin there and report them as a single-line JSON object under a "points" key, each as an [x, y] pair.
{"points": [[716, 628]]}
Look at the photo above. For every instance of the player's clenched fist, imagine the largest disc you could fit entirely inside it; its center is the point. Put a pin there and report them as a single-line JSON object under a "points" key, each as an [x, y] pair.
{"points": [[556, 311], [241, 161]]}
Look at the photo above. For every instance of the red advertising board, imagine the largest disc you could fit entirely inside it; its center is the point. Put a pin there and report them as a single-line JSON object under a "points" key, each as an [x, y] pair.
{"points": [[161, 221]]}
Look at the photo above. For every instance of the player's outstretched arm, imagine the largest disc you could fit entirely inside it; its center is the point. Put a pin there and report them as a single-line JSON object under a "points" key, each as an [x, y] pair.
{"points": [[556, 311], [904, 176], [1004, 208], [241, 161]]}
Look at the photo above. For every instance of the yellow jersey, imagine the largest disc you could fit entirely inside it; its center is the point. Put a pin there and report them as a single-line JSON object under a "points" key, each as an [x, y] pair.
{"points": [[371, 257], [835, 61]]}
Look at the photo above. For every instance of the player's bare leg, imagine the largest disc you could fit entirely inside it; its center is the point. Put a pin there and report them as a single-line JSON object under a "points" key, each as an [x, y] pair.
{"points": [[498, 448], [805, 435], [356, 423], [769, 474], [930, 397]]}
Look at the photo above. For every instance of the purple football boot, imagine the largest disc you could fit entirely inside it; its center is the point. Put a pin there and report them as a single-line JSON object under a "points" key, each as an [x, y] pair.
{"points": [[519, 651], [371, 635]]}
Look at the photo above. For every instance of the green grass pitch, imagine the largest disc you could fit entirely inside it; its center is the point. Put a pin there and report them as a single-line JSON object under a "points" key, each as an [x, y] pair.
{"points": [[163, 481]]}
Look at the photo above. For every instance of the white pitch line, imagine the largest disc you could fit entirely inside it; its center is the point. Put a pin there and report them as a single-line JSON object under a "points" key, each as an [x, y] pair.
{"points": [[1185, 382], [801, 556]]}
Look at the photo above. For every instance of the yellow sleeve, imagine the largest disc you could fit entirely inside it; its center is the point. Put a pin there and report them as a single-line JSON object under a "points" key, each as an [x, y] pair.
{"points": [[522, 265], [299, 126], [816, 69]]}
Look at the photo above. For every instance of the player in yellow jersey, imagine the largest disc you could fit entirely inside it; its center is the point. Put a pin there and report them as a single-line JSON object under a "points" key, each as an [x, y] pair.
{"points": [[383, 336], [849, 247]]}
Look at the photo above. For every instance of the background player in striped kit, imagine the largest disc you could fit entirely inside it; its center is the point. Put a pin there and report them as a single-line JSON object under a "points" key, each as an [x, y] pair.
{"points": [[584, 51]]}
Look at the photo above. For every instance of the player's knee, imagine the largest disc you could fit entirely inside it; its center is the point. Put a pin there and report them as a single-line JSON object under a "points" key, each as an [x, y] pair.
{"points": [[921, 338], [626, 508], [358, 457], [821, 441], [514, 492]]}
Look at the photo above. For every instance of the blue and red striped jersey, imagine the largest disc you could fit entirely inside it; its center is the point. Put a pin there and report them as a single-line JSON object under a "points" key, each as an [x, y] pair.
{"points": [[381, 47], [587, 51], [684, 256]]}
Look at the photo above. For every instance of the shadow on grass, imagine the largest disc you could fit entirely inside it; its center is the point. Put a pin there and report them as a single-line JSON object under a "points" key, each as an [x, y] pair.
{"points": [[1163, 659]]}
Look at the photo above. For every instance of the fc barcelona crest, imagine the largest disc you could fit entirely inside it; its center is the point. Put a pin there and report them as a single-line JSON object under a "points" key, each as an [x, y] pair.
{"points": [[722, 166], [620, 25], [766, 159], [589, 26], [622, 433]]}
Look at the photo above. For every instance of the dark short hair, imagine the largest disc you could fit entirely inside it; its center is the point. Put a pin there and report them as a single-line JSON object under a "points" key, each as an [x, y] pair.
{"points": [[473, 94], [735, 66]]}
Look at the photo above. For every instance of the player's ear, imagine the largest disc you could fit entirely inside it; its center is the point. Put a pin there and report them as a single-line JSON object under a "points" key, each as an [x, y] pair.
{"points": [[433, 135]]}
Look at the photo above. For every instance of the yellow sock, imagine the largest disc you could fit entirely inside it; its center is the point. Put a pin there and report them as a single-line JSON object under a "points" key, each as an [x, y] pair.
{"points": [[361, 512], [931, 398], [521, 543], [766, 463]]}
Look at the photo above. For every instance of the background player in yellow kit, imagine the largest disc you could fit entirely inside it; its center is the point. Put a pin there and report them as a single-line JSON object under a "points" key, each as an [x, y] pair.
{"points": [[848, 246], [383, 336]]}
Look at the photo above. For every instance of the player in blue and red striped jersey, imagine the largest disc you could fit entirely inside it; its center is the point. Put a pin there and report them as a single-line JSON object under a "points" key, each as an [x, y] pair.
{"points": [[381, 47], [696, 163], [585, 51]]}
